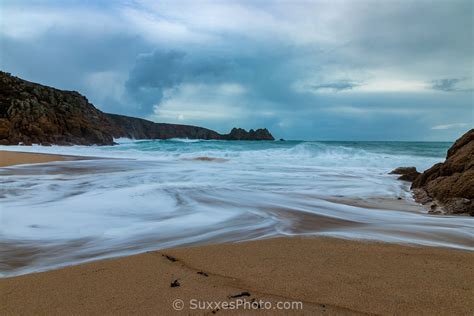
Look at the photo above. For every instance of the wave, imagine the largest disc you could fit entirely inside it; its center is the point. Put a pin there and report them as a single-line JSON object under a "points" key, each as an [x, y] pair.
{"points": [[185, 140], [171, 193], [276, 153]]}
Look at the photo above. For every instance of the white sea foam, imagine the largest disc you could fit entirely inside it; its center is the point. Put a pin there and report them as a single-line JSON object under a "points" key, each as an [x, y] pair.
{"points": [[163, 194]]}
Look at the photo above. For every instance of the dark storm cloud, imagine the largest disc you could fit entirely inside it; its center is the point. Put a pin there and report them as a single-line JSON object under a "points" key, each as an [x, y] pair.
{"points": [[160, 70], [268, 77]]}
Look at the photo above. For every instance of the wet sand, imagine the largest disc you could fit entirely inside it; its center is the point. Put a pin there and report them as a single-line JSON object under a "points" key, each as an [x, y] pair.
{"points": [[10, 158], [329, 276], [378, 203]]}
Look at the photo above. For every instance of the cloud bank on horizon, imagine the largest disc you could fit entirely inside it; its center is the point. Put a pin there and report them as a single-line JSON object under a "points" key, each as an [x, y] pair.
{"points": [[326, 70]]}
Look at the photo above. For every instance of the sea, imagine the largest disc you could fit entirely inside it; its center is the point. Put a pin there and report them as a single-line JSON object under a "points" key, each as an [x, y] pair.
{"points": [[142, 195]]}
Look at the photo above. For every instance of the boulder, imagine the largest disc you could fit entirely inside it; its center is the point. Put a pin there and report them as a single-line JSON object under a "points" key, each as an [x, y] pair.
{"points": [[451, 183], [407, 173]]}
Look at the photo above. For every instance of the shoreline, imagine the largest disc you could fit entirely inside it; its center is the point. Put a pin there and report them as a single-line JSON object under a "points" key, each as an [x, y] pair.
{"points": [[327, 275]]}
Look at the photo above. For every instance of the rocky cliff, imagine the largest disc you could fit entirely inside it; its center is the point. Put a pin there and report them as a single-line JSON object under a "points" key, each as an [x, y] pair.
{"points": [[132, 127], [449, 186], [31, 113]]}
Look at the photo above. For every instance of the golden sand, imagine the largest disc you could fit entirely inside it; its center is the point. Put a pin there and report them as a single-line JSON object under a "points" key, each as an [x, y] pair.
{"points": [[9, 158], [329, 276]]}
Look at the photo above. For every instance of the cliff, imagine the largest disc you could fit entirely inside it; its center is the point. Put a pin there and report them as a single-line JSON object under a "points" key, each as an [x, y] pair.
{"points": [[449, 186], [132, 127], [31, 113]]}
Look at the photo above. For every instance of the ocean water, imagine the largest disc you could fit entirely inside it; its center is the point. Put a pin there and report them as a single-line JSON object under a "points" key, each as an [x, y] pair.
{"points": [[153, 194]]}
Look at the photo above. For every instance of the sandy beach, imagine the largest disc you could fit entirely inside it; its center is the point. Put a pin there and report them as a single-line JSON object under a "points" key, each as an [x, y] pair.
{"points": [[10, 158], [328, 276]]}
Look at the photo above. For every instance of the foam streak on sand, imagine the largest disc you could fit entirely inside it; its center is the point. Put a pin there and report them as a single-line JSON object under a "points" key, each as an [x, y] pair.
{"points": [[164, 194]]}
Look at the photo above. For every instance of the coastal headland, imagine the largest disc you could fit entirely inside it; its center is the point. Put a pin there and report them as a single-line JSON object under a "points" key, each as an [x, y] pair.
{"points": [[31, 113]]}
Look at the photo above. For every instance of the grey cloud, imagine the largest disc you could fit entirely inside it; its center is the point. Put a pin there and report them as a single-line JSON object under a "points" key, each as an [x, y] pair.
{"points": [[424, 37], [266, 75], [336, 86], [64, 60], [153, 73], [448, 84]]}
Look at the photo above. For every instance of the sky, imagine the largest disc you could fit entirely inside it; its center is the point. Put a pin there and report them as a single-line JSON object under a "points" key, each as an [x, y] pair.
{"points": [[308, 70]]}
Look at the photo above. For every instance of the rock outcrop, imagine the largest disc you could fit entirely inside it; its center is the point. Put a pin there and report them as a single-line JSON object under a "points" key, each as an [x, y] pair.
{"points": [[406, 173], [31, 113], [241, 134], [449, 186]]}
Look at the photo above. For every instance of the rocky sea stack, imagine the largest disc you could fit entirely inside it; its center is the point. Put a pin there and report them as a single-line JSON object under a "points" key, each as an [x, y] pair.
{"points": [[31, 113], [449, 186]]}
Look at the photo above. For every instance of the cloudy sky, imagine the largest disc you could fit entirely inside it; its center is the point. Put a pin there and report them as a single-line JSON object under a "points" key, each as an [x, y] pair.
{"points": [[324, 70]]}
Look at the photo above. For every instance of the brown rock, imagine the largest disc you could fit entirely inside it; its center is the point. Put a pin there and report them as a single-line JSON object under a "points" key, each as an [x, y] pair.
{"points": [[451, 182], [421, 196], [32, 118], [407, 173], [4, 128]]}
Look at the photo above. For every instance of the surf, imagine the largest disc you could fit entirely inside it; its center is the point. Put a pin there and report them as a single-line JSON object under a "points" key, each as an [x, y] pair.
{"points": [[144, 194]]}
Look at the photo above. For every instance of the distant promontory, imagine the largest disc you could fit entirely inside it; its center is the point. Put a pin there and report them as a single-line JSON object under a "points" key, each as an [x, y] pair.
{"points": [[31, 113]]}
